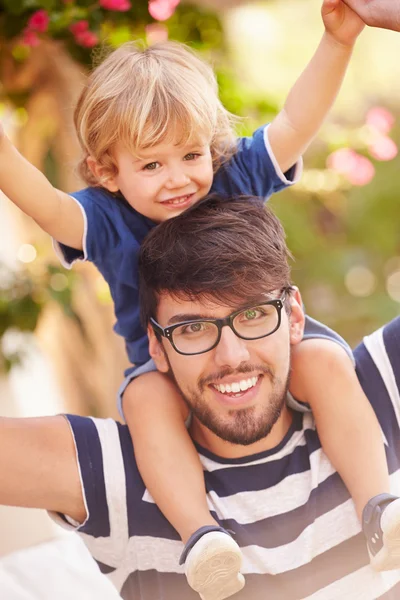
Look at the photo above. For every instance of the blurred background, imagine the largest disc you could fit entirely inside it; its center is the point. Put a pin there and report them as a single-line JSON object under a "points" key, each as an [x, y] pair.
{"points": [[57, 348]]}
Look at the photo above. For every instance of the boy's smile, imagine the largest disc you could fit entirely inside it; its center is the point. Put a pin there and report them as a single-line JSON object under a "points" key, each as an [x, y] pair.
{"points": [[165, 179]]}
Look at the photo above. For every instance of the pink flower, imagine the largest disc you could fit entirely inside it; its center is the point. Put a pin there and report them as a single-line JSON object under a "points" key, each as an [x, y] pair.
{"points": [[358, 169], [381, 119], [39, 21], [161, 10], [363, 172], [120, 5], [87, 39], [343, 160], [30, 38], [383, 148], [79, 27]]}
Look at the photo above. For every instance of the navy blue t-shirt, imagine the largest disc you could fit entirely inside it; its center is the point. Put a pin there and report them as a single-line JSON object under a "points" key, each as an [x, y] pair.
{"points": [[114, 231]]}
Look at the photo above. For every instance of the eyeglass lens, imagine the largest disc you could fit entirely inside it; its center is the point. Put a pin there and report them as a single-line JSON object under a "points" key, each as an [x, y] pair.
{"points": [[251, 323]]}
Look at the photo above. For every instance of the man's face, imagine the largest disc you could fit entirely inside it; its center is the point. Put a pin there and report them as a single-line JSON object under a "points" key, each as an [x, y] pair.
{"points": [[210, 382]]}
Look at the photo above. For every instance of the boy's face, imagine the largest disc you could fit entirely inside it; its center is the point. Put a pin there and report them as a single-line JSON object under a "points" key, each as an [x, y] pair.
{"points": [[165, 180]]}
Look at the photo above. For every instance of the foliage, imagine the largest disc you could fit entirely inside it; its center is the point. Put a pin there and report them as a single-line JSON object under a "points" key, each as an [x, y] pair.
{"points": [[23, 297], [84, 24]]}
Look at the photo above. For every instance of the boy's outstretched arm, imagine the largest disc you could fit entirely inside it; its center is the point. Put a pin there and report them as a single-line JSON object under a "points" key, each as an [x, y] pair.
{"points": [[313, 94], [54, 211], [378, 13]]}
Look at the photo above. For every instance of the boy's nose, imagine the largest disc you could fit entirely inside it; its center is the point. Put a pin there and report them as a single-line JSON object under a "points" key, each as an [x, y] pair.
{"points": [[177, 179]]}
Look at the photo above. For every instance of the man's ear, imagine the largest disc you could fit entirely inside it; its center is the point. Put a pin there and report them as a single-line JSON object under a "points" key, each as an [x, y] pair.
{"points": [[157, 351], [296, 318], [102, 175]]}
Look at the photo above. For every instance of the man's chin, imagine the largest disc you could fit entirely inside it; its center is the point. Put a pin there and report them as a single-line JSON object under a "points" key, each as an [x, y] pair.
{"points": [[242, 427]]}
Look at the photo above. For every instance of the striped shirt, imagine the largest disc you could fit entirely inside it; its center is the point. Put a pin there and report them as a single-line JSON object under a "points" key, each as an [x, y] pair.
{"points": [[291, 513]]}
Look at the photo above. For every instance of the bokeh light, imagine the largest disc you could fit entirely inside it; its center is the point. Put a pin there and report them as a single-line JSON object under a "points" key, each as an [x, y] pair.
{"points": [[360, 281], [26, 253]]}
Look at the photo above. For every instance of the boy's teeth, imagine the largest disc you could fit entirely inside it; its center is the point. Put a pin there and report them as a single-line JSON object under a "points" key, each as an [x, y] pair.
{"points": [[178, 200], [237, 386]]}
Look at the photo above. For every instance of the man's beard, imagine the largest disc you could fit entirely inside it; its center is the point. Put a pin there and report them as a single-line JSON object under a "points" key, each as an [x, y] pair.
{"points": [[243, 426]]}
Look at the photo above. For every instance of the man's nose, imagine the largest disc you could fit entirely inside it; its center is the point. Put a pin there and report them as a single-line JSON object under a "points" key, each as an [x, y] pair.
{"points": [[176, 178], [231, 350]]}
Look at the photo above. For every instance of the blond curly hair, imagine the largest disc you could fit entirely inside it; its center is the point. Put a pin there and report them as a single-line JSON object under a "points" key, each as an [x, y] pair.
{"points": [[143, 96]]}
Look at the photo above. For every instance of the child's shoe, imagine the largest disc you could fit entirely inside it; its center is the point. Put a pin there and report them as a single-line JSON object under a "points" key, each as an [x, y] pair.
{"points": [[381, 526], [212, 563]]}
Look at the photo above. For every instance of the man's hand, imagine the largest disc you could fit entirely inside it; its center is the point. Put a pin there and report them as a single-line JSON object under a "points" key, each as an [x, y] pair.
{"points": [[377, 13], [341, 22]]}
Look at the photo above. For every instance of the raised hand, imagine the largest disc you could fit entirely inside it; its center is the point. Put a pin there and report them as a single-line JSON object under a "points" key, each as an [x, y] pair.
{"points": [[341, 22], [377, 13]]}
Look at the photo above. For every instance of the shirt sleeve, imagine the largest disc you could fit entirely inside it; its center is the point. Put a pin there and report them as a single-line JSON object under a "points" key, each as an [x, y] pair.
{"points": [[101, 233], [253, 169], [91, 472], [315, 330]]}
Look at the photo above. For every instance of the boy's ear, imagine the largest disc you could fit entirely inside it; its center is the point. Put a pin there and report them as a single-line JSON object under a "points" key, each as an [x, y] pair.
{"points": [[157, 351], [296, 318], [105, 179]]}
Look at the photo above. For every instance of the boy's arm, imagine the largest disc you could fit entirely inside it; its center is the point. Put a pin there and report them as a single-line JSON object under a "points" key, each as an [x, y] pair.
{"points": [[313, 94], [38, 466], [54, 211]]}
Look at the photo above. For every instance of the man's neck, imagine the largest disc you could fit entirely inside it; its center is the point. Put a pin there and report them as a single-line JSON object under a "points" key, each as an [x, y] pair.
{"points": [[209, 440]]}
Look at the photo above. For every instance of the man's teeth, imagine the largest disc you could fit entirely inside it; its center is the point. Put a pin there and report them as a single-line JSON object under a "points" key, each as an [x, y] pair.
{"points": [[237, 386]]}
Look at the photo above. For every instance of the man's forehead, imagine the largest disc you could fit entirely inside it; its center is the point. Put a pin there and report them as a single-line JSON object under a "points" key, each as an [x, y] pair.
{"points": [[174, 308]]}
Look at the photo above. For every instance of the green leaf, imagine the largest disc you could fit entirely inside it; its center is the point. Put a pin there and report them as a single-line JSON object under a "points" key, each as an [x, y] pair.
{"points": [[17, 7]]}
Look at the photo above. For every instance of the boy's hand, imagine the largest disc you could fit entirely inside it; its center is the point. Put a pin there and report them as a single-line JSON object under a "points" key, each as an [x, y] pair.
{"points": [[378, 13], [341, 22]]}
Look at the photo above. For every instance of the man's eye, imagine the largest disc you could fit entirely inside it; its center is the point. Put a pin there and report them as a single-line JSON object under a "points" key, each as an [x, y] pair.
{"points": [[193, 328], [251, 314], [151, 166]]}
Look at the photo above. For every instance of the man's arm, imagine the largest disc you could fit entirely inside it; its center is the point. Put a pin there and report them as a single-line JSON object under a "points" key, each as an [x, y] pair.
{"points": [[378, 13], [313, 94], [38, 466]]}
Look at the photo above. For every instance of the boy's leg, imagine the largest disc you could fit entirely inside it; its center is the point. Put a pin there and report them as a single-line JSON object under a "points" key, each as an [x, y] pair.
{"points": [[169, 464], [167, 459], [349, 431], [351, 437]]}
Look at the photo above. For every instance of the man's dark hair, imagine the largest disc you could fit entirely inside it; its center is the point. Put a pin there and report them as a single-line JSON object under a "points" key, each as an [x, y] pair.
{"points": [[221, 250]]}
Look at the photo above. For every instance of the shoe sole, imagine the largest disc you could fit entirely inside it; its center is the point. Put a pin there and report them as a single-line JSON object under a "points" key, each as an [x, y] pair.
{"points": [[213, 568], [389, 556]]}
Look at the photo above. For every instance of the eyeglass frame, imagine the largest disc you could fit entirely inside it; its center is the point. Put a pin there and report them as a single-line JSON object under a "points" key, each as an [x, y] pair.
{"points": [[220, 323]]}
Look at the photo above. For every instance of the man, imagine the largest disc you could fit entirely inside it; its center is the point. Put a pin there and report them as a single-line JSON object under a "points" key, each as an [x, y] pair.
{"points": [[378, 13], [267, 478]]}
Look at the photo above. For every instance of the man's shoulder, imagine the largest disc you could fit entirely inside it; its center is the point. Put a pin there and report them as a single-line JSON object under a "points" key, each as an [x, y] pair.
{"points": [[378, 369]]}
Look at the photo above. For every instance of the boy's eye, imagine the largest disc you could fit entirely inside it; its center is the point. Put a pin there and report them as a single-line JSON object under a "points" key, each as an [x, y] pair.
{"points": [[192, 156], [151, 166]]}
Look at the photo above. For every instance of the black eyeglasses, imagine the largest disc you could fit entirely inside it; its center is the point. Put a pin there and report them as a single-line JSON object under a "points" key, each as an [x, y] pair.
{"points": [[202, 335]]}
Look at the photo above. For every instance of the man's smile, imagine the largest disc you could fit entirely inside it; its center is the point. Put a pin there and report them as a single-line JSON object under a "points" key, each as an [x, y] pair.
{"points": [[237, 393]]}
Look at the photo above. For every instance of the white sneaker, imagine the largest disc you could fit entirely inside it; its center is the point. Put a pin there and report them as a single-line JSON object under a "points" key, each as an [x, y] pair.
{"points": [[389, 555], [213, 566], [381, 526]]}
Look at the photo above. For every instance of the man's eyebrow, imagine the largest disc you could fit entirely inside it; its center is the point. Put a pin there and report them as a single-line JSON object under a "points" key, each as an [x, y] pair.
{"points": [[181, 318]]}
